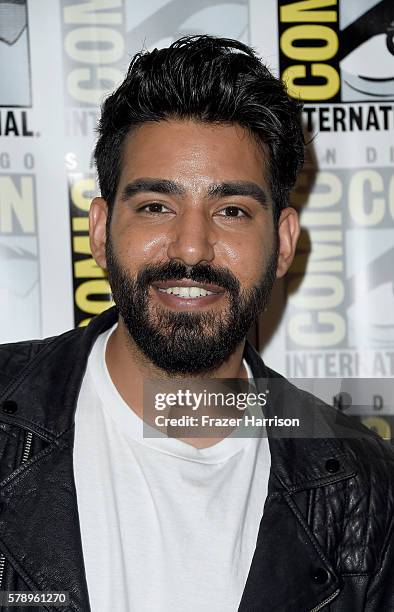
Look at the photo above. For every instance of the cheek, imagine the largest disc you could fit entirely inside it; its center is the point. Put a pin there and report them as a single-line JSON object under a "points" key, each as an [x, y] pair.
{"points": [[245, 259], [139, 246]]}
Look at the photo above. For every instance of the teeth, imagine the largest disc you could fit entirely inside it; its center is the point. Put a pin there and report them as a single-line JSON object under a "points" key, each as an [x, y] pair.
{"points": [[187, 292], [195, 291]]}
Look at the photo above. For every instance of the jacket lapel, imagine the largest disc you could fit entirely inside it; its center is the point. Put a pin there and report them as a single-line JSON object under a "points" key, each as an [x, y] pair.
{"points": [[289, 570], [284, 563]]}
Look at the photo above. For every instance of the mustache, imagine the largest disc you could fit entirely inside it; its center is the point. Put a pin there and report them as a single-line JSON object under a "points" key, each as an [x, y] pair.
{"points": [[200, 273]]}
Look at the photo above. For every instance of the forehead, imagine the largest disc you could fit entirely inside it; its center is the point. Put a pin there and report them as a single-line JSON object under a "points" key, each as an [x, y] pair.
{"points": [[194, 153]]}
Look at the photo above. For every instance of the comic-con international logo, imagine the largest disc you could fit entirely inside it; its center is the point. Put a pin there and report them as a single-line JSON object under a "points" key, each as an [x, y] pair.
{"points": [[15, 87], [337, 50], [99, 39]]}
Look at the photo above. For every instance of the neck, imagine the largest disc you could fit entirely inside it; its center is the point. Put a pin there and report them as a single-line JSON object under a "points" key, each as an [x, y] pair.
{"points": [[129, 367]]}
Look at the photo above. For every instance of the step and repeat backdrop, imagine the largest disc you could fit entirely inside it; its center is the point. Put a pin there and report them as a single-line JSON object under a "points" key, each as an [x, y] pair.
{"points": [[334, 315]]}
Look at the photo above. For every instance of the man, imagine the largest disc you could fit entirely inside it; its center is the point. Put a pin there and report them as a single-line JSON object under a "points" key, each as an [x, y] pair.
{"points": [[197, 152]]}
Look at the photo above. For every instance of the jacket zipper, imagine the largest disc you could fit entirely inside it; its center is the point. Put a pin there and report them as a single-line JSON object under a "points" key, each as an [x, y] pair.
{"points": [[26, 450], [25, 455], [325, 602], [2, 563]]}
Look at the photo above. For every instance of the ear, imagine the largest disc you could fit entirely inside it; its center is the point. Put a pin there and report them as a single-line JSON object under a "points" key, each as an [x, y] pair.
{"points": [[97, 230], [288, 233]]}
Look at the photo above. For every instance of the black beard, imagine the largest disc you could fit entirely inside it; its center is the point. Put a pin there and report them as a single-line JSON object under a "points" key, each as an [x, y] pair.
{"points": [[187, 343]]}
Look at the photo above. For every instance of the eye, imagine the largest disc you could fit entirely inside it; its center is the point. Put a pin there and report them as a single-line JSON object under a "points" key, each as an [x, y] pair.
{"points": [[232, 211], [154, 208]]}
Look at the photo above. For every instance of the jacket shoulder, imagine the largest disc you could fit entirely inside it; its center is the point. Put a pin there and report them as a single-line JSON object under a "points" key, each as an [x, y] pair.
{"points": [[16, 356]]}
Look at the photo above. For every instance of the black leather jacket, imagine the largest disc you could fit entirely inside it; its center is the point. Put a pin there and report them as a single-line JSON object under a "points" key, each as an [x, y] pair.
{"points": [[326, 536]]}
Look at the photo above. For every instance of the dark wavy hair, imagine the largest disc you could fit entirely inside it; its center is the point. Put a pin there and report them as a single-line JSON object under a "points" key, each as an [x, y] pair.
{"points": [[208, 79]]}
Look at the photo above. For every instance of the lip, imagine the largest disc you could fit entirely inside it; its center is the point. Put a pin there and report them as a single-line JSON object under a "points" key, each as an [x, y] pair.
{"points": [[184, 282], [177, 303]]}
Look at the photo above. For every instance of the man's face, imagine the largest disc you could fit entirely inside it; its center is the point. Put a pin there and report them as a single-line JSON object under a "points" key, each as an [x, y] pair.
{"points": [[192, 251]]}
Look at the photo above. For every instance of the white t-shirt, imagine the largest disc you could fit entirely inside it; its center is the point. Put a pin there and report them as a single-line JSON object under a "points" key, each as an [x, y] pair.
{"points": [[165, 527]]}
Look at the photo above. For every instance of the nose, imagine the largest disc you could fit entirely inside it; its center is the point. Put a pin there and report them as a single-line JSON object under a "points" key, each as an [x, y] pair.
{"points": [[192, 240]]}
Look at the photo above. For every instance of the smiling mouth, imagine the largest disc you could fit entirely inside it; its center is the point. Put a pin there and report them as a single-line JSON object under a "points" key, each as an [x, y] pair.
{"points": [[187, 291]]}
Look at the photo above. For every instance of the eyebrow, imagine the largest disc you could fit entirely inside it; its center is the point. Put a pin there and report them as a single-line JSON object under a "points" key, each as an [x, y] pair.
{"points": [[215, 190], [144, 185], [239, 188]]}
